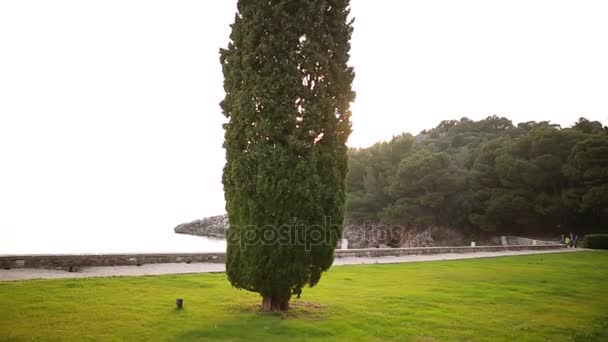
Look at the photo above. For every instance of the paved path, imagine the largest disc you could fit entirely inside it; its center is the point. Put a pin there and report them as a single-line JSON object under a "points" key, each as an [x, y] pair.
{"points": [[181, 268]]}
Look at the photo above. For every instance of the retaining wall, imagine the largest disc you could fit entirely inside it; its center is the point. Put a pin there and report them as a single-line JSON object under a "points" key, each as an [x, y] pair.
{"points": [[377, 252], [72, 262], [516, 240]]}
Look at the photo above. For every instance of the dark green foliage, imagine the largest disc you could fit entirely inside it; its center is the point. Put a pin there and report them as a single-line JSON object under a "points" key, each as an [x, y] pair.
{"points": [[596, 241], [371, 171], [422, 186], [288, 91], [486, 175]]}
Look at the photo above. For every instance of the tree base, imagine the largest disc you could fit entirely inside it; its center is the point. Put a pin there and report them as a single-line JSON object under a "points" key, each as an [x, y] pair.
{"points": [[270, 304]]}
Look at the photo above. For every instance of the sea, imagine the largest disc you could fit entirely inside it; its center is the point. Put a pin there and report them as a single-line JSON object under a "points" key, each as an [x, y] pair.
{"points": [[162, 242]]}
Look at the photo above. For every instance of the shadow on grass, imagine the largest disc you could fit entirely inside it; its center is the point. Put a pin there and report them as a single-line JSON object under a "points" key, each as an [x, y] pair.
{"points": [[297, 309], [253, 324], [599, 332]]}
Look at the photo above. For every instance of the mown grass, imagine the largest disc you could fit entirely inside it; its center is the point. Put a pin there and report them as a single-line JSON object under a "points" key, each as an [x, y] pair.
{"points": [[551, 297]]}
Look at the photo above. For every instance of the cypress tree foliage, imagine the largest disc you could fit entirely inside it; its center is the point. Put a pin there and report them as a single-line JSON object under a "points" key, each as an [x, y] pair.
{"points": [[288, 91]]}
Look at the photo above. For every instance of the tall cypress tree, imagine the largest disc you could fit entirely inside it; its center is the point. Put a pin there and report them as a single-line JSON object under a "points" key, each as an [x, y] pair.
{"points": [[288, 91]]}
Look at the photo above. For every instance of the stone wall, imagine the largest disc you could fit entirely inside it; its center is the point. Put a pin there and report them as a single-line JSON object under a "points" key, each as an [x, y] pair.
{"points": [[73, 262], [377, 252], [516, 240]]}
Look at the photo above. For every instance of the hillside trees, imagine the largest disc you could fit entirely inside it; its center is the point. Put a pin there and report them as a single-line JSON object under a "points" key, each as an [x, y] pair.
{"points": [[487, 176]]}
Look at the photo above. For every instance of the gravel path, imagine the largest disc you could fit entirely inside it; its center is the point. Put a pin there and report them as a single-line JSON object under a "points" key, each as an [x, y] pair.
{"points": [[182, 268]]}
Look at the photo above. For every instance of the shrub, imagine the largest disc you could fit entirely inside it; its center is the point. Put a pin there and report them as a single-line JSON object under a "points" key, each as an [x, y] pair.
{"points": [[596, 241]]}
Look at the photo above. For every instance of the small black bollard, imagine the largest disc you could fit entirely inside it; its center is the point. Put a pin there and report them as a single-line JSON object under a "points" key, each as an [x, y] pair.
{"points": [[180, 303]]}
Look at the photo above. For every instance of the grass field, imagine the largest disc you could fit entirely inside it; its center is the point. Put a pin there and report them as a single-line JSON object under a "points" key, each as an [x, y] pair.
{"points": [[551, 297]]}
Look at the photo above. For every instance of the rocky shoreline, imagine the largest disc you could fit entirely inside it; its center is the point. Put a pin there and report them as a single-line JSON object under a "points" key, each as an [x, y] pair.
{"points": [[358, 235], [214, 227]]}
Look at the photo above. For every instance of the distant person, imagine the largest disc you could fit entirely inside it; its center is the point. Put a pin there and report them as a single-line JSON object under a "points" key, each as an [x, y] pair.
{"points": [[567, 241], [575, 241], [563, 240], [572, 240]]}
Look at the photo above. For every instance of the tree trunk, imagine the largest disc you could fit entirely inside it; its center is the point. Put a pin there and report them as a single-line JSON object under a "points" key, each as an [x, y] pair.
{"points": [[274, 303]]}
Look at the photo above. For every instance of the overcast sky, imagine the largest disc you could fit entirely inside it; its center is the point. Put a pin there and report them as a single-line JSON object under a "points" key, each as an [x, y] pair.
{"points": [[110, 128]]}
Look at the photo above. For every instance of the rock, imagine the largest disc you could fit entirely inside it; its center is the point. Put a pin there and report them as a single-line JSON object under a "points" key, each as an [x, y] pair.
{"points": [[213, 227], [365, 235], [371, 235]]}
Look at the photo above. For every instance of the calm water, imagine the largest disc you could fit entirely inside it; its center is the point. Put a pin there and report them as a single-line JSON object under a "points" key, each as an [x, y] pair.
{"points": [[124, 243]]}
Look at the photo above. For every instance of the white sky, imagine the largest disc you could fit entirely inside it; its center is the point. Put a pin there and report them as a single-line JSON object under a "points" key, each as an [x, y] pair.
{"points": [[110, 129]]}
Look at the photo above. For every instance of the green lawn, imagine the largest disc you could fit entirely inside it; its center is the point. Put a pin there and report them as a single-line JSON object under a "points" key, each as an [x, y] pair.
{"points": [[557, 297]]}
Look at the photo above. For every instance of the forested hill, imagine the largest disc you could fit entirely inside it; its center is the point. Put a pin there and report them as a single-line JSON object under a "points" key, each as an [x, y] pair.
{"points": [[535, 178]]}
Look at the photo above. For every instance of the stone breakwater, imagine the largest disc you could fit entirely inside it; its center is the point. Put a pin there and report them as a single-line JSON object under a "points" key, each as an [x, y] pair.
{"points": [[75, 262]]}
